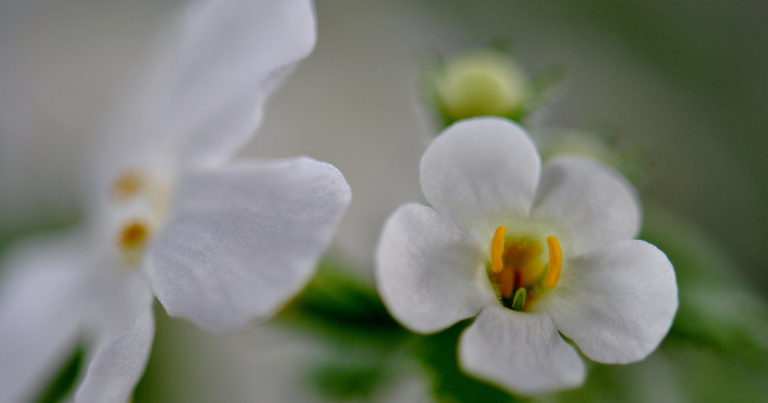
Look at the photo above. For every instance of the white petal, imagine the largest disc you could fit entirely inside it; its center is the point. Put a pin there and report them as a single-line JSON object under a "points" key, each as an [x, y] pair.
{"points": [[616, 303], [115, 296], [119, 362], [429, 274], [479, 170], [520, 351], [234, 51], [40, 315], [199, 97], [119, 312], [241, 241], [592, 201]]}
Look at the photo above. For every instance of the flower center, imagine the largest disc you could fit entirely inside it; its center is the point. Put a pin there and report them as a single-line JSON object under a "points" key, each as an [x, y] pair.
{"points": [[141, 201], [517, 272]]}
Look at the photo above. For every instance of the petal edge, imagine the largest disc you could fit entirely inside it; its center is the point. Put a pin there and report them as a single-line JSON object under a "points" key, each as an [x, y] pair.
{"points": [[520, 351], [429, 274], [616, 303], [480, 169], [240, 241]]}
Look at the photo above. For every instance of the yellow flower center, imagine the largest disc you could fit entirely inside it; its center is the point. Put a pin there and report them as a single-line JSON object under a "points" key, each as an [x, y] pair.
{"points": [[141, 200], [516, 270]]}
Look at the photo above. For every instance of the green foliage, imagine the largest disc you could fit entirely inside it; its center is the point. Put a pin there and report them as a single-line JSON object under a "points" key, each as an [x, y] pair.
{"points": [[342, 379], [345, 310], [64, 382], [362, 340], [367, 346]]}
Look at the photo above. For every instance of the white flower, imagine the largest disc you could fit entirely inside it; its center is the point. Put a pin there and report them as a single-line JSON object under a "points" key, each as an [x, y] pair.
{"points": [[220, 244], [562, 249]]}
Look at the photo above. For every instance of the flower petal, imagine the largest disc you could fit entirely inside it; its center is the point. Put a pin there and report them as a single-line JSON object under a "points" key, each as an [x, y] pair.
{"points": [[479, 170], [235, 52], [616, 303], [596, 204], [429, 274], [119, 362], [199, 97], [40, 315], [520, 351], [241, 241]]}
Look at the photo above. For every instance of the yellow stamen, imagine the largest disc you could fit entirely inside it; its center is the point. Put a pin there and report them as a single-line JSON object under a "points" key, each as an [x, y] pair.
{"points": [[134, 235], [127, 185], [555, 262], [497, 247]]}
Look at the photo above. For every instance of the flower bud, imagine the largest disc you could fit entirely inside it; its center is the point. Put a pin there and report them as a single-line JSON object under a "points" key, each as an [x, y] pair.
{"points": [[480, 83]]}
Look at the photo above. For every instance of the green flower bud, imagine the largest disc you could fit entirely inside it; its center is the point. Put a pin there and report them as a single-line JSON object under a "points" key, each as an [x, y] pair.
{"points": [[480, 83]]}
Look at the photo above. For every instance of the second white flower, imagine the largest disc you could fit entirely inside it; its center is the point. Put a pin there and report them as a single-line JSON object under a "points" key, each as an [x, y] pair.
{"points": [[531, 252]]}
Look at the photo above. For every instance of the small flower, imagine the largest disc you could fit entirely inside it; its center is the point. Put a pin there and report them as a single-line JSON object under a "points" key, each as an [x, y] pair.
{"points": [[221, 244], [530, 252]]}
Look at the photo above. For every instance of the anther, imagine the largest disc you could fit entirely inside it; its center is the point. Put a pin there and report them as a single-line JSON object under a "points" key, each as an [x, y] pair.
{"points": [[134, 235], [127, 185], [497, 247], [555, 262]]}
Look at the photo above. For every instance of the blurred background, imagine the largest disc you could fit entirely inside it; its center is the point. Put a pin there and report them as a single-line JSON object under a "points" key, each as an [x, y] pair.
{"points": [[686, 80]]}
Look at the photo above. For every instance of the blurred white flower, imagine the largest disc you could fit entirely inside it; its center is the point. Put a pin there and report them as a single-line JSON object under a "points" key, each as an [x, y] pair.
{"points": [[219, 244], [480, 252]]}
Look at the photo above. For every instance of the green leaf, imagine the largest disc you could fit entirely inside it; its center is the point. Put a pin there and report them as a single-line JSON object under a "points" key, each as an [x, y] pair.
{"points": [[348, 379], [345, 310]]}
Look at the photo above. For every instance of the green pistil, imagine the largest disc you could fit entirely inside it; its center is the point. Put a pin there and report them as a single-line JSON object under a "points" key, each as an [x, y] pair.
{"points": [[519, 301]]}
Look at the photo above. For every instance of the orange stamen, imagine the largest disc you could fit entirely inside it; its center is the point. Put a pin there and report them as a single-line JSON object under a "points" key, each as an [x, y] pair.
{"points": [[134, 235], [497, 247], [555, 262]]}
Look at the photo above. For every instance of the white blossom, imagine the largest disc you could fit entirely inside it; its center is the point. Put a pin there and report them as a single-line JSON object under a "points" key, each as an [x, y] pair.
{"points": [[221, 243], [529, 252]]}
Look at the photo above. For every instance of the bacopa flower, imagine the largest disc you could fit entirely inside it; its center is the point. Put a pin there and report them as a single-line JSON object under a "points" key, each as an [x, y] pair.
{"points": [[222, 245], [531, 252]]}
